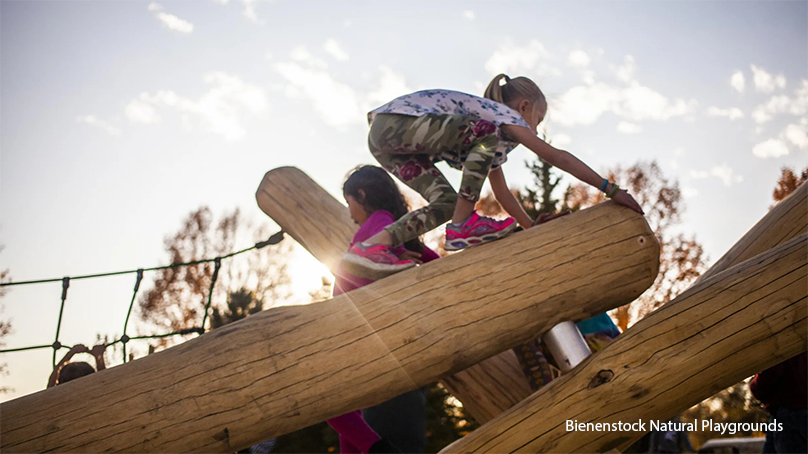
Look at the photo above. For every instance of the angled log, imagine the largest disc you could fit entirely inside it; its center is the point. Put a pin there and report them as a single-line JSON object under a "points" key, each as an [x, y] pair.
{"points": [[288, 367], [783, 222], [307, 213], [322, 225], [742, 320]]}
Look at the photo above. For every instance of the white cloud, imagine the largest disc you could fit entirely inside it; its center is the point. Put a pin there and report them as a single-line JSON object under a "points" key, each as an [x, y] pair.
{"points": [[636, 102], [722, 172], [679, 151], [625, 73], [779, 104], [737, 81], [338, 103], [468, 14], [249, 10], [175, 23], [579, 59], [92, 120], [170, 21], [391, 86], [301, 54], [628, 128], [772, 148], [588, 77], [560, 140], [726, 175], [218, 111], [141, 112], [333, 48], [796, 134], [765, 82], [732, 113], [532, 59], [585, 104]]}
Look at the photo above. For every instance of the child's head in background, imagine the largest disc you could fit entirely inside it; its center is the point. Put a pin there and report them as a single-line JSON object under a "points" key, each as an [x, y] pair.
{"points": [[369, 189]]}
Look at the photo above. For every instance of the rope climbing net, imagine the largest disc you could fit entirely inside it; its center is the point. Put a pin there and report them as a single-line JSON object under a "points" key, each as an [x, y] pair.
{"points": [[124, 339]]}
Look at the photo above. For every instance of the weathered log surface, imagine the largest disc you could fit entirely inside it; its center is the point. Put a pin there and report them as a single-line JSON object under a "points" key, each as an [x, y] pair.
{"points": [[289, 367], [490, 387], [304, 210], [307, 213], [725, 328], [785, 221]]}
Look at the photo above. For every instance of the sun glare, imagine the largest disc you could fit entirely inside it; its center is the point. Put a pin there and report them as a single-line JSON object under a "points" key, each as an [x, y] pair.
{"points": [[306, 274]]}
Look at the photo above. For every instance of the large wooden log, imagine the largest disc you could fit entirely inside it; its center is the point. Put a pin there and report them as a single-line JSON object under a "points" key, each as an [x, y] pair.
{"points": [[322, 225], [716, 333], [787, 220], [307, 213], [289, 367]]}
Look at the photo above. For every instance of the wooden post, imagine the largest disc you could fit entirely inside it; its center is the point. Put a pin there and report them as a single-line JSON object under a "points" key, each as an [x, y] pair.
{"points": [[308, 213], [725, 328], [289, 367], [322, 225]]}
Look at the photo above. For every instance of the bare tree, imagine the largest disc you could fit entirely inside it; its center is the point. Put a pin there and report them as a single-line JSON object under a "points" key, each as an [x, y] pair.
{"points": [[178, 296]]}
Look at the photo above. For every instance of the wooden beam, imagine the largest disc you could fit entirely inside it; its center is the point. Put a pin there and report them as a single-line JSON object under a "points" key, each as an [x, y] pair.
{"points": [[289, 367], [308, 213], [322, 225], [725, 328], [785, 221]]}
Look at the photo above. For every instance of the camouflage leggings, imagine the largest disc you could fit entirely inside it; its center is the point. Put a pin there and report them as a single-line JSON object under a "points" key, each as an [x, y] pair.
{"points": [[406, 146]]}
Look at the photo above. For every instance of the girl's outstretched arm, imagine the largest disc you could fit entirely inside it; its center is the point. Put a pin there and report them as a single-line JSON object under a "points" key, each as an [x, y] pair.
{"points": [[566, 162], [506, 198]]}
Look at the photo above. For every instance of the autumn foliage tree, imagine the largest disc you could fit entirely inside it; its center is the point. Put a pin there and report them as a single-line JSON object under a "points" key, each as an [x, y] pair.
{"points": [[244, 284], [681, 256], [736, 403], [789, 182]]}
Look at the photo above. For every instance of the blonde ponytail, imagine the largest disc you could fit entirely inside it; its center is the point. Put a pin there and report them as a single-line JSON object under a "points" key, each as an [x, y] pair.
{"points": [[505, 90]]}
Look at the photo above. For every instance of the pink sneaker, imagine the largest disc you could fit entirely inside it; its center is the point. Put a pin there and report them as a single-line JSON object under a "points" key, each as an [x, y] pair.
{"points": [[373, 261], [477, 230]]}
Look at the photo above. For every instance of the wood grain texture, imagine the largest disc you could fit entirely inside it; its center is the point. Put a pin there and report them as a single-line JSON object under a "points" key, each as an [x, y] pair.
{"points": [[785, 221], [727, 327], [289, 367], [490, 387], [322, 225], [309, 214]]}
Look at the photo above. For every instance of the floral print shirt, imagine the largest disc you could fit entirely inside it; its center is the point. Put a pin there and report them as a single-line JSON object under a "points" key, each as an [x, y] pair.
{"points": [[457, 103]]}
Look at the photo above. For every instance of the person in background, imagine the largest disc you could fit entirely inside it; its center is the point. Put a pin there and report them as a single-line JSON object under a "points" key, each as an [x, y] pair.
{"points": [[783, 390], [66, 371]]}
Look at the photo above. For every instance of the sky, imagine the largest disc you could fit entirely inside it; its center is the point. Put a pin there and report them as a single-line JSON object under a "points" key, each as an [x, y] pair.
{"points": [[118, 118]]}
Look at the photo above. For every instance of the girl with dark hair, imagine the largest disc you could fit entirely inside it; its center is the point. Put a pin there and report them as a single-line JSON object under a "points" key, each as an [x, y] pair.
{"points": [[374, 202]]}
